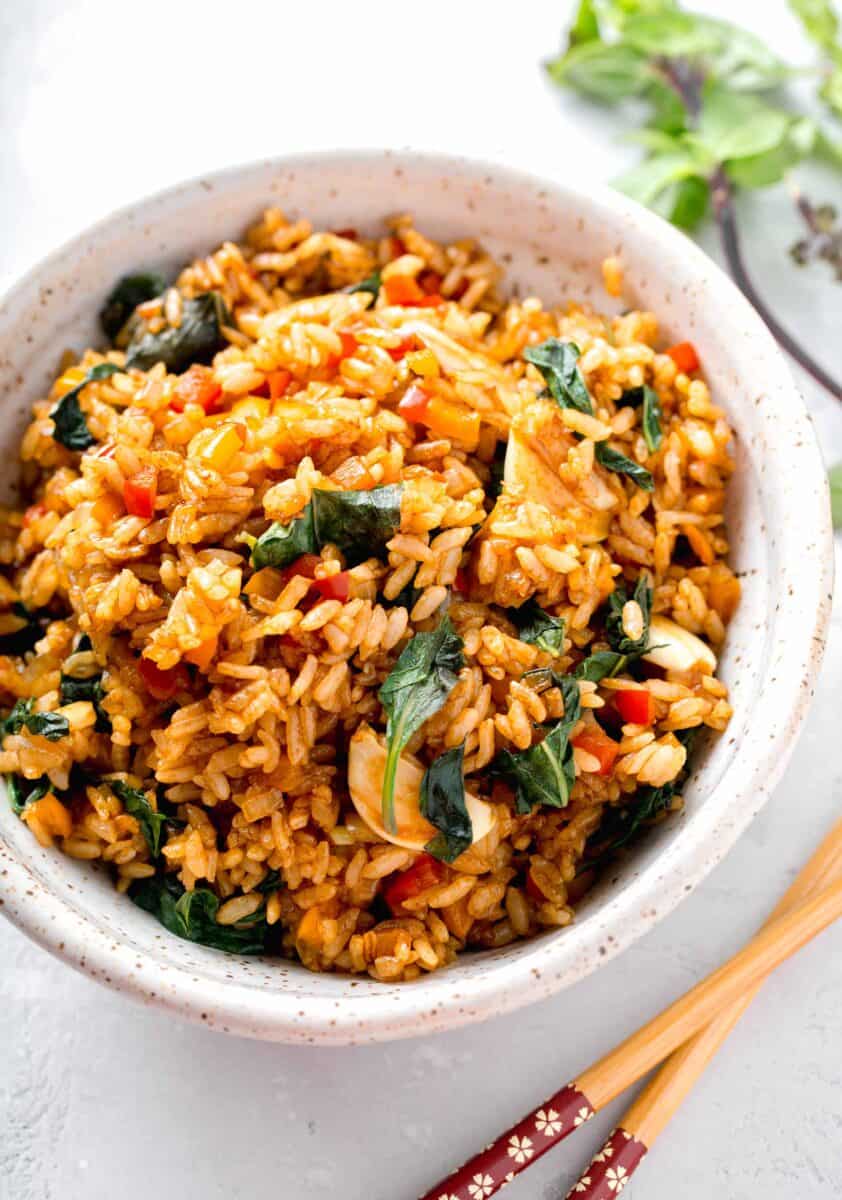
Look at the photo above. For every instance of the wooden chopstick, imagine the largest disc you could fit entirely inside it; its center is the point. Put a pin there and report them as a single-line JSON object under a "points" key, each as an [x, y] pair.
{"points": [[724, 989], [651, 1111]]}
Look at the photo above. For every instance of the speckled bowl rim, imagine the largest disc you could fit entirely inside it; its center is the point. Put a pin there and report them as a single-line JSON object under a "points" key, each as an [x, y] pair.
{"points": [[240, 1007]]}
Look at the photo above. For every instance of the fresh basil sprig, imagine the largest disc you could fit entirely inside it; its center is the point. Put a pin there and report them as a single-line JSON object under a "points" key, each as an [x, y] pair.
{"points": [[651, 416], [417, 687], [128, 292], [443, 804], [23, 792], [195, 340], [371, 284]]}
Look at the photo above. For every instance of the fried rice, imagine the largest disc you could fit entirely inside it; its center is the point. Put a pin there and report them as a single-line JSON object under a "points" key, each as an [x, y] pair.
{"points": [[317, 462]]}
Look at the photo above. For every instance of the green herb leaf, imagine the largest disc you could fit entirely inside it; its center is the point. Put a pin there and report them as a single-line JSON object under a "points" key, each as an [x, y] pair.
{"points": [[271, 882], [602, 71], [23, 792], [585, 27], [661, 172], [358, 523], [417, 687], [124, 298], [669, 34], [733, 126], [613, 460], [685, 203], [820, 21], [195, 340], [537, 627], [192, 916], [652, 415], [558, 363], [614, 632], [69, 424], [20, 641], [135, 803], [371, 284], [52, 726], [443, 804], [602, 664], [544, 774], [835, 479], [741, 59]]}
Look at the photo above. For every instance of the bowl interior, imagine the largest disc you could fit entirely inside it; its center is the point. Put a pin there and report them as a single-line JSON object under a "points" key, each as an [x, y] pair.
{"points": [[551, 240]]}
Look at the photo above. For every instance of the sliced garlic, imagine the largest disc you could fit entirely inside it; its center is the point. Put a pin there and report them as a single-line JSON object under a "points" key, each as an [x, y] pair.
{"points": [[366, 767], [676, 649]]}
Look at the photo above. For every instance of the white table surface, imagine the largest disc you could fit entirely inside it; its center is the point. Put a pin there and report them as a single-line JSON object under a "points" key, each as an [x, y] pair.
{"points": [[99, 1098]]}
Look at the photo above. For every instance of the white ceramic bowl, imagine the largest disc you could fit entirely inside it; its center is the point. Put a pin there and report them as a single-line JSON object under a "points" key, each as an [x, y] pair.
{"points": [[552, 238]]}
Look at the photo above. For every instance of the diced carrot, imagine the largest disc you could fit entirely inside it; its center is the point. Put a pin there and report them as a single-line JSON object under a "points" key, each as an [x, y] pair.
{"points": [[349, 343], [34, 513], [429, 301], [597, 743], [636, 706], [160, 684], [684, 356], [455, 421], [139, 492], [196, 386], [415, 403], [279, 381], [334, 587], [403, 289], [252, 409], [395, 246], [350, 235], [424, 873], [202, 655]]}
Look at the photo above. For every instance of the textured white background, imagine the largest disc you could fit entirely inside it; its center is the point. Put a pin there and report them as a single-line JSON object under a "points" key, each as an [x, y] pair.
{"points": [[102, 102]]}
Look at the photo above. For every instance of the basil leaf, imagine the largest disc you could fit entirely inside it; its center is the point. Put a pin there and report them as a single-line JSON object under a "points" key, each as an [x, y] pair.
{"points": [[684, 203], [20, 641], [743, 60], [90, 689], [537, 627], [544, 774], [585, 27], [613, 460], [371, 284], [733, 126], [192, 916], [601, 70], [52, 726], [834, 476], [614, 632], [358, 523], [23, 792], [123, 299], [417, 687], [136, 805], [670, 34], [282, 544], [443, 804], [622, 824], [195, 340], [70, 427], [651, 416], [820, 21], [662, 171], [761, 170], [557, 361], [602, 664], [271, 882], [496, 469]]}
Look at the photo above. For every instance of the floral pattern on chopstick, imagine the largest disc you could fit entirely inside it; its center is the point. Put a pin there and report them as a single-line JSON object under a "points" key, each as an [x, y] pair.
{"points": [[610, 1169], [499, 1163]]}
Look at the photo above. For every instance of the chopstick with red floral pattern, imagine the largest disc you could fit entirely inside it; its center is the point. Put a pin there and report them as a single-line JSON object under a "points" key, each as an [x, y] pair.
{"points": [[697, 1023]]}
